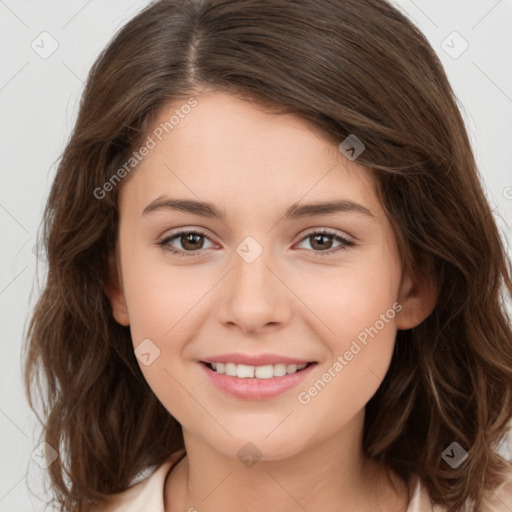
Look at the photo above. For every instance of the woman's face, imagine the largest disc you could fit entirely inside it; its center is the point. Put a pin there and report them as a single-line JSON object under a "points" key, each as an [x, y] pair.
{"points": [[257, 283]]}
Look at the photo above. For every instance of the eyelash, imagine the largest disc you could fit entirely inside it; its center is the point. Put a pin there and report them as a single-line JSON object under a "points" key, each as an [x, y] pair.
{"points": [[345, 244]]}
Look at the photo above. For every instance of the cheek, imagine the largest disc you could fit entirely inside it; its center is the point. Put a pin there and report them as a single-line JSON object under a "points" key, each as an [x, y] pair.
{"points": [[349, 299], [164, 305], [358, 305], [360, 358], [161, 297], [161, 308]]}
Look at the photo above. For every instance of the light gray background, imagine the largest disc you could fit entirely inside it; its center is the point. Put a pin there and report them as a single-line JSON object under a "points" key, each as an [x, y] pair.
{"points": [[38, 105]]}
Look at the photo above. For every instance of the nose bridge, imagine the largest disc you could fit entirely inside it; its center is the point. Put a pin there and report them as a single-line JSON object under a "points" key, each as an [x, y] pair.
{"points": [[251, 273], [253, 297], [251, 264]]}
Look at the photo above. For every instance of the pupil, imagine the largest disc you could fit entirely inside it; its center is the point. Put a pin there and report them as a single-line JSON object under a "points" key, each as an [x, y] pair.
{"points": [[318, 239], [191, 238]]}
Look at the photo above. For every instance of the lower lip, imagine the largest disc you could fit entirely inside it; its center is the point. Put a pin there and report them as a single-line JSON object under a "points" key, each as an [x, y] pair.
{"points": [[256, 389]]}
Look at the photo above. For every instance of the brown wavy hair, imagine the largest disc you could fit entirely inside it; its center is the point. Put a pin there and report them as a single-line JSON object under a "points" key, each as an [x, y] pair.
{"points": [[349, 67]]}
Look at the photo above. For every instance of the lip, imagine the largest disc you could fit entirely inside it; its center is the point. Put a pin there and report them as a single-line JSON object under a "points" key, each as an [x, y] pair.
{"points": [[254, 360], [256, 389]]}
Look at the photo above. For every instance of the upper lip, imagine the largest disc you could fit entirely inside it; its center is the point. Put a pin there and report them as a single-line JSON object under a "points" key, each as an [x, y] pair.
{"points": [[254, 360]]}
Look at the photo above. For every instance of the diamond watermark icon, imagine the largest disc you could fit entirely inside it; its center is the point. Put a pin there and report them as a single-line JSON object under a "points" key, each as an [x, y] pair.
{"points": [[454, 455], [44, 45], [351, 147], [44, 455], [249, 249], [249, 455], [147, 352], [454, 45]]}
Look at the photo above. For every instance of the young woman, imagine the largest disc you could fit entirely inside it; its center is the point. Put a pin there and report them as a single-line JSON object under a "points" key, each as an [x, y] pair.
{"points": [[274, 280]]}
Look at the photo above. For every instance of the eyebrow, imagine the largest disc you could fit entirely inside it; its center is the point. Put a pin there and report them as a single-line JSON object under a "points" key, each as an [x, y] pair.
{"points": [[295, 211]]}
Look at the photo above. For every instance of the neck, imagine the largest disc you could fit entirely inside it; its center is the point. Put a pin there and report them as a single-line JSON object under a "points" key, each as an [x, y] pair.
{"points": [[331, 475]]}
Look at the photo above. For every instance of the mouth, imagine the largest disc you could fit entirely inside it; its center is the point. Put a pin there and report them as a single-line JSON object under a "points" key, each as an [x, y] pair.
{"points": [[244, 371], [257, 382]]}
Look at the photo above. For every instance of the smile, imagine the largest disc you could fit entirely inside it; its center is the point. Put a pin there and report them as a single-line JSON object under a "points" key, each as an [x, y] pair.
{"points": [[244, 371], [256, 382]]}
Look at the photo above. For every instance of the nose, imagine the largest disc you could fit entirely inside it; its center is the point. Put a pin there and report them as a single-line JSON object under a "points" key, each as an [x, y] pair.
{"points": [[253, 296]]}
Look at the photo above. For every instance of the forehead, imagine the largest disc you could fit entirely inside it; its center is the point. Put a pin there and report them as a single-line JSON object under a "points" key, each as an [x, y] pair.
{"points": [[227, 149]]}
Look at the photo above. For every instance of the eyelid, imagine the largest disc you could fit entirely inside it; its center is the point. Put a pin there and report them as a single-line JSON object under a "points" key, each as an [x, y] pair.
{"points": [[327, 231], [181, 231]]}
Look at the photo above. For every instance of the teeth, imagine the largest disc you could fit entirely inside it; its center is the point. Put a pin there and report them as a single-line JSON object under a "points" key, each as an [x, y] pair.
{"points": [[230, 369], [291, 368], [244, 371], [279, 370], [264, 372]]}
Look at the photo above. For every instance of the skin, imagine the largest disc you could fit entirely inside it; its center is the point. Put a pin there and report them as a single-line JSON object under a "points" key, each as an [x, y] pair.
{"points": [[291, 300]]}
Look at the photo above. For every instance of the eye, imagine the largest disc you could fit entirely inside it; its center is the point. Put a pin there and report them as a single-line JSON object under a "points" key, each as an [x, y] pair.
{"points": [[322, 241], [191, 241]]}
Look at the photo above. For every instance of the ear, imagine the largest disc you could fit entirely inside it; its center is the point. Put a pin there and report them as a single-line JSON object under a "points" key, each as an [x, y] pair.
{"points": [[418, 298], [115, 293]]}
